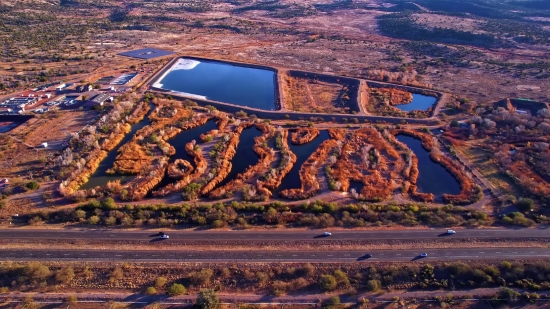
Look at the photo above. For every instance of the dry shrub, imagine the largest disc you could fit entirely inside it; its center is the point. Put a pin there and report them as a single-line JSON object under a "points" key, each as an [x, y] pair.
{"points": [[304, 136], [179, 169], [395, 96]]}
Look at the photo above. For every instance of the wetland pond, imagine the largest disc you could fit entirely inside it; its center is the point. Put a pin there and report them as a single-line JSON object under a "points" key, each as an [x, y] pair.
{"points": [[420, 102], [302, 152], [433, 177], [222, 82], [100, 177], [245, 155]]}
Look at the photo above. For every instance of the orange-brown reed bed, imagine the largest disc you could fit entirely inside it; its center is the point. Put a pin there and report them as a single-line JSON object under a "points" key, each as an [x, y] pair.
{"points": [[221, 121], [94, 159], [309, 182], [82, 176], [395, 96], [338, 134], [142, 184], [131, 159], [366, 157], [304, 136], [267, 156], [201, 165], [209, 136], [286, 162], [179, 169], [469, 192], [139, 113], [115, 137], [225, 166]]}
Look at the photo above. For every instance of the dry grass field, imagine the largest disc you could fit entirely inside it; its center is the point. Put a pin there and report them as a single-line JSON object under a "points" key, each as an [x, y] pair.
{"points": [[307, 95], [479, 158]]}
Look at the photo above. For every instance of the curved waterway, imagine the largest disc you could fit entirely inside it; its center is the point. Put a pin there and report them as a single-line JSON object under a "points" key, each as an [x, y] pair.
{"points": [[433, 177], [245, 155], [420, 102], [100, 177], [302, 152]]}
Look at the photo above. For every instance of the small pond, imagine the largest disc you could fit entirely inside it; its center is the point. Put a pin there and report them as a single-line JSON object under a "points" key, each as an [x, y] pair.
{"points": [[433, 177], [221, 81], [302, 152], [358, 186], [420, 102], [100, 177], [245, 155]]}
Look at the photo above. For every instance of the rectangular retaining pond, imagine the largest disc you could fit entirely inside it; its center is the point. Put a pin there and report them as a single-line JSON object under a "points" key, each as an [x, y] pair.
{"points": [[222, 82]]}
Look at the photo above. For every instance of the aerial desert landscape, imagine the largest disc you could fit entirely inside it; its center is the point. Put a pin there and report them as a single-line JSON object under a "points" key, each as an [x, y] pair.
{"points": [[274, 154]]}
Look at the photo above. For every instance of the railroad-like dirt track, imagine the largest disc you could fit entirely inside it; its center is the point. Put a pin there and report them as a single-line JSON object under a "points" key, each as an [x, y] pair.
{"points": [[263, 257]]}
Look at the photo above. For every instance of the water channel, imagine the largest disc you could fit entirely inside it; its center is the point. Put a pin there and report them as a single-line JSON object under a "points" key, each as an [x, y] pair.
{"points": [[420, 102], [100, 177], [302, 152], [433, 177], [221, 81], [245, 155]]}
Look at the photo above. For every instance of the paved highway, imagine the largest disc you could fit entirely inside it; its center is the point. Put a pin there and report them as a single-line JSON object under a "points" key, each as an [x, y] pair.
{"points": [[83, 234], [265, 256]]}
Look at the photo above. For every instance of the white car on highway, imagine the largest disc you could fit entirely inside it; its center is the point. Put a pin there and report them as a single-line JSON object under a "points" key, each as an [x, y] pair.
{"points": [[327, 234], [451, 232], [164, 236], [423, 254]]}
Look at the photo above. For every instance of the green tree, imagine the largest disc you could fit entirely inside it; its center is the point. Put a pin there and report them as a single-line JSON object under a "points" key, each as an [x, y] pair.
{"points": [[341, 277], [176, 289], [32, 185], [151, 291], [507, 293], [454, 124], [334, 300], [208, 299], [64, 275], [525, 204], [36, 271], [72, 299], [109, 203], [160, 282], [328, 282], [79, 214], [374, 285], [93, 220]]}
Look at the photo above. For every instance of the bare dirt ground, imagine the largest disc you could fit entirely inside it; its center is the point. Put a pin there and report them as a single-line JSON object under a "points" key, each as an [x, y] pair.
{"points": [[18, 159], [306, 96]]}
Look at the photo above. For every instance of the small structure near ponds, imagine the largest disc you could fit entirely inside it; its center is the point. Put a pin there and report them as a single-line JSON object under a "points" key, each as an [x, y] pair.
{"points": [[146, 53]]}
